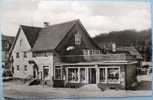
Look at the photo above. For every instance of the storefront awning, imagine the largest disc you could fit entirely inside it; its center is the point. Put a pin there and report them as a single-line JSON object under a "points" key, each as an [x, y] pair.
{"points": [[98, 63]]}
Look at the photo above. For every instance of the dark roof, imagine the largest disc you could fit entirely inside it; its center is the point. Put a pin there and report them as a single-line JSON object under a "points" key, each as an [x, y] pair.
{"points": [[7, 42], [8, 38], [132, 50], [49, 37], [31, 33]]}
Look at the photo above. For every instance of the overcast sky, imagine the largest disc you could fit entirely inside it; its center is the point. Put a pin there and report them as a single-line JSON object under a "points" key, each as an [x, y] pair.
{"points": [[96, 16]]}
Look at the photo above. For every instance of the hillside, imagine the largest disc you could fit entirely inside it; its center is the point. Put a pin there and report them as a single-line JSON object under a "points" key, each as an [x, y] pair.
{"points": [[141, 40]]}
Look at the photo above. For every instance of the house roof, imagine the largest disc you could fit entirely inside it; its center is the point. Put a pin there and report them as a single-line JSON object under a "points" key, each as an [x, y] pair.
{"points": [[7, 42], [132, 50], [31, 33], [8, 38], [51, 36]]}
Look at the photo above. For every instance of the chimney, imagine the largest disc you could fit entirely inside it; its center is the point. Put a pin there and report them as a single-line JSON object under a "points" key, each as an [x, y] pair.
{"points": [[46, 24], [113, 47]]}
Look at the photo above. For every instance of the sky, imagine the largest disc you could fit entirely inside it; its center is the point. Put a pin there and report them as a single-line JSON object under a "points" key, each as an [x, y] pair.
{"points": [[96, 16]]}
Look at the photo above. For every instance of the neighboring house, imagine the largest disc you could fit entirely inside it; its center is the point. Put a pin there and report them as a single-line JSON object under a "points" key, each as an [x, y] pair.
{"points": [[64, 53], [6, 45], [131, 50], [21, 51]]}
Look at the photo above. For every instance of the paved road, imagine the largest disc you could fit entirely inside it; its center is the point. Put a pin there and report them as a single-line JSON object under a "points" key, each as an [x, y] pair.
{"points": [[22, 91]]}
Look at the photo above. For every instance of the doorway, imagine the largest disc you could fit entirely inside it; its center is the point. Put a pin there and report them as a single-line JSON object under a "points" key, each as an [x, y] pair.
{"points": [[92, 76], [45, 72]]}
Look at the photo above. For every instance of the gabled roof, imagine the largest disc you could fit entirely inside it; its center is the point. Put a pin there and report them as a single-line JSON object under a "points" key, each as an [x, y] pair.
{"points": [[132, 50], [31, 33], [49, 37]]}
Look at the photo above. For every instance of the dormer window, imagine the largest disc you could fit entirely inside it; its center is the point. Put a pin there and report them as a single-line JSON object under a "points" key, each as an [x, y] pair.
{"points": [[77, 38]]}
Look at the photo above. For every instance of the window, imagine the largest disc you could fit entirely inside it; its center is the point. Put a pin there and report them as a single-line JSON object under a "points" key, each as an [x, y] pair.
{"points": [[18, 67], [25, 68], [82, 74], [102, 75], [109, 75], [91, 52], [77, 38], [17, 55], [73, 75], [20, 42], [25, 54], [113, 75], [58, 72]]}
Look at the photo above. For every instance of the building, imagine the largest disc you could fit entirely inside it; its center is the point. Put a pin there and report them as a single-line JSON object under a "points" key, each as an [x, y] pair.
{"points": [[6, 45], [21, 51], [65, 55]]}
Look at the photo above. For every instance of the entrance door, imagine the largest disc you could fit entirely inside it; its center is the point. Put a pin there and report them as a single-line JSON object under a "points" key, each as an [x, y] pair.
{"points": [[92, 76], [46, 72]]}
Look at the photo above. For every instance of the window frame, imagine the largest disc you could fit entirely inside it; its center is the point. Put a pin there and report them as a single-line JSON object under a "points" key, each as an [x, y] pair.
{"points": [[106, 74], [78, 38], [105, 71], [17, 55], [21, 40], [25, 68], [119, 74], [81, 75], [25, 54], [18, 67], [73, 81], [58, 68]]}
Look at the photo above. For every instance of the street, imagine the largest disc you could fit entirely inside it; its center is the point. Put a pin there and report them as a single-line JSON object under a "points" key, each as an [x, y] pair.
{"points": [[20, 90]]}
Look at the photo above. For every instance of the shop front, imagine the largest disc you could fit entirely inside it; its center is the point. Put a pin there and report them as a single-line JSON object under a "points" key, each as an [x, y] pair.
{"points": [[88, 73]]}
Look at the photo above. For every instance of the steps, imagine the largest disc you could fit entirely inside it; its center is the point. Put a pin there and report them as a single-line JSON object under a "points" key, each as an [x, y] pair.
{"points": [[30, 81], [33, 81], [90, 87]]}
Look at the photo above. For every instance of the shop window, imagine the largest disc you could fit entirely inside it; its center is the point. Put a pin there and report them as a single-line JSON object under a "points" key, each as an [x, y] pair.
{"points": [[58, 72], [102, 75], [82, 74], [73, 75], [113, 75]]}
